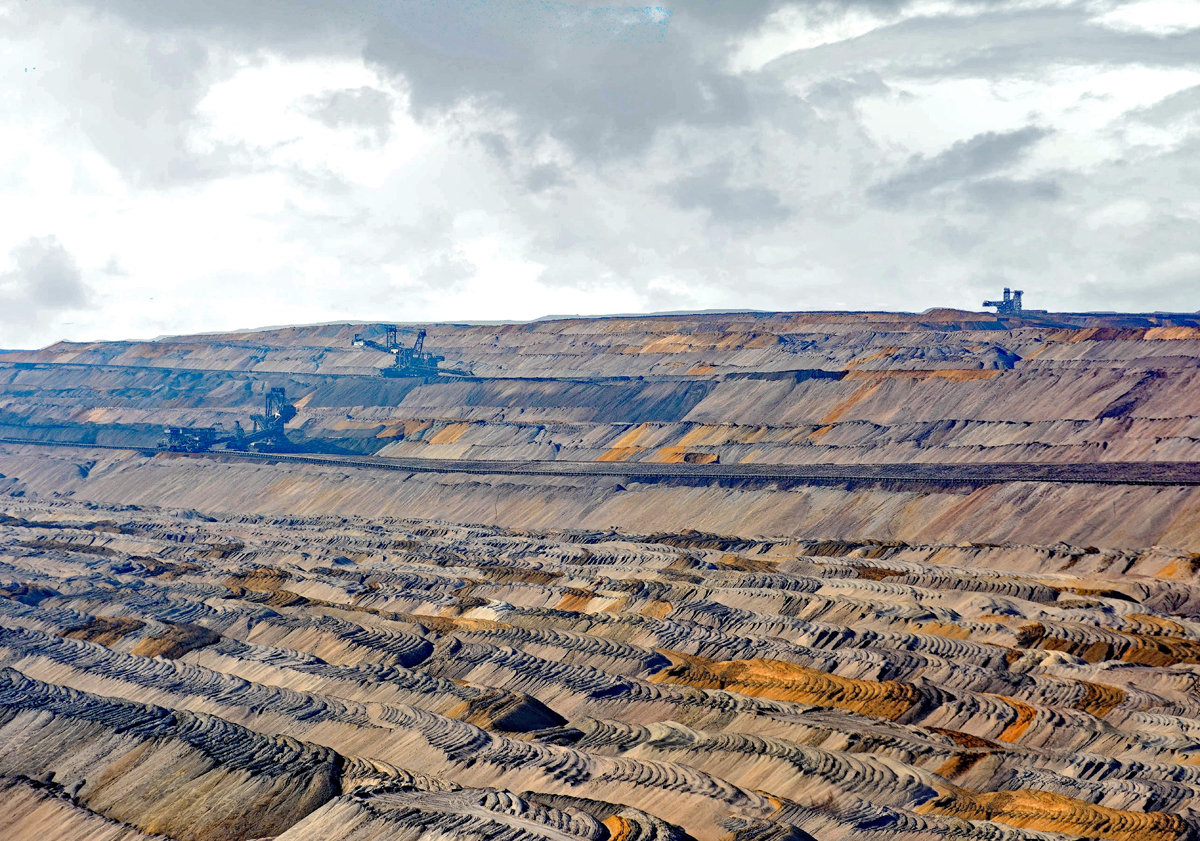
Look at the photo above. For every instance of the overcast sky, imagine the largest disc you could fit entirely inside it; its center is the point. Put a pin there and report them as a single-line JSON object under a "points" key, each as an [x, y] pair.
{"points": [[176, 165]]}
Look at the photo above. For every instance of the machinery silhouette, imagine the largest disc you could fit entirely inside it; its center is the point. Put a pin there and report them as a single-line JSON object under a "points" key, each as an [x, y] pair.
{"points": [[1011, 305], [269, 426], [409, 361], [267, 434]]}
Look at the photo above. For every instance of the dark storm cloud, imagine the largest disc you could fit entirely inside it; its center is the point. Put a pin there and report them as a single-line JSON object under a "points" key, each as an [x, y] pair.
{"points": [[294, 26], [329, 26], [602, 90], [45, 280], [981, 155], [739, 207]]}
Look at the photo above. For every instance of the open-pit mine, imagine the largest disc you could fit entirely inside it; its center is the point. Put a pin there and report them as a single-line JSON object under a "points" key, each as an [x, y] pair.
{"points": [[749, 576]]}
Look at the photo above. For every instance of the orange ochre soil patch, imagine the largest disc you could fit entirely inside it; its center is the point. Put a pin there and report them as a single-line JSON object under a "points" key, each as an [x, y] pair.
{"points": [[782, 681], [1047, 812]]}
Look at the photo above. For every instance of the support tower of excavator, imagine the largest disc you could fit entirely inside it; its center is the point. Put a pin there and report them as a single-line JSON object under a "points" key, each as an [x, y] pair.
{"points": [[1010, 305]]}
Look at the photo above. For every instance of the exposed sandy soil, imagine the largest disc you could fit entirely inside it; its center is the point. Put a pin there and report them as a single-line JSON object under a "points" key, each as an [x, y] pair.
{"points": [[1123, 520], [235, 677], [208, 649], [770, 388]]}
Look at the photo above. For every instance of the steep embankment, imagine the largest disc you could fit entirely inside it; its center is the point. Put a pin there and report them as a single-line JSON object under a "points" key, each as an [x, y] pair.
{"points": [[784, 388], [220, 649], [1111, 517]]}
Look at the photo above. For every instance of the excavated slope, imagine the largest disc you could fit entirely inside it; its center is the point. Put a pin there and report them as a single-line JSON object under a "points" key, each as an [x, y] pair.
{"points": [[943, 386], [220, 678], [1118, 519], [218, 648]]}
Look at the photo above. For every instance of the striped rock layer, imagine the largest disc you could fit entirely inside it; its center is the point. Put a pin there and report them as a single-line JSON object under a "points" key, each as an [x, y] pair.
{"points": [[168, 673]]}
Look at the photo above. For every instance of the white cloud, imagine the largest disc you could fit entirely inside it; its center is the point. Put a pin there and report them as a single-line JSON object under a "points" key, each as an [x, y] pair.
{"points": [[802, 27], [1082, 103], [208, 172], [43, 284], [1120, 214], [1157, 17], [805, 26]]}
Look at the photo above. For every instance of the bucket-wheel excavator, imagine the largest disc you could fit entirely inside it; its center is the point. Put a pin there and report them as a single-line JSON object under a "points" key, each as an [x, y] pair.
{"points": [[267, 430], [409, 361], [1010, 304]]}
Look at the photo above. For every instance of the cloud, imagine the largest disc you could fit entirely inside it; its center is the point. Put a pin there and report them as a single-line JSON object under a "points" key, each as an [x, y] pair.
{"points": [[843, 92], [454, 158], [447, 271], [993, 40], [600, 79], [1169, 286], [1003, 194], [135, 99], [1178, 106], [365, 108], [45, 281], [113, 268], [738, 207], [544, 177], [982, 155]]}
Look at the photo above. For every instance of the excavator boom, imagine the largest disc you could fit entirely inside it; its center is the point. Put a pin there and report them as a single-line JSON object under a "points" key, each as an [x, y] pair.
{"points": [[412, 361], [267, 429]]}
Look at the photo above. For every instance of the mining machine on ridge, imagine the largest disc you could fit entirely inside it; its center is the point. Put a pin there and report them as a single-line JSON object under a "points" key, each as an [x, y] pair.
{"points": [[269, 430], [189, 439], [412, 361], [1010, 305], [268, 433]]}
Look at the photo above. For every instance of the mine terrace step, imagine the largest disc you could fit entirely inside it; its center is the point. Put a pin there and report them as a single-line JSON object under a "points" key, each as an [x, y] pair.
{"points": [[1105, 473]]}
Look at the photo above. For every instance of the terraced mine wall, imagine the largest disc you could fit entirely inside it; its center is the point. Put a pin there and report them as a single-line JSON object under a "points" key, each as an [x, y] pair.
{"points": [[173, 674], [1114, 516], [741, 577], [770, 388]]}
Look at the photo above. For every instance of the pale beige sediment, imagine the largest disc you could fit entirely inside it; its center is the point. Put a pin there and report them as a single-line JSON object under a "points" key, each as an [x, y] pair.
{"points": [[224, 650], [694, 679], [1109, 517]]}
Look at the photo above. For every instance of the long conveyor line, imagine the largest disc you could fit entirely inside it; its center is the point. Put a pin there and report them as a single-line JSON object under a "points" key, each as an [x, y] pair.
{"points": [[1098, 473]]}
